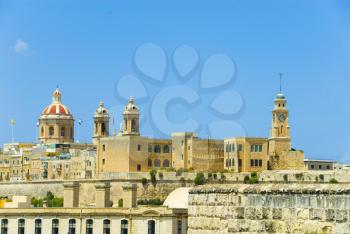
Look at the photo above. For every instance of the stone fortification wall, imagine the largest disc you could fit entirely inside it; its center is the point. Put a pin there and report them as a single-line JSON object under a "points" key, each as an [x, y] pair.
{"points": [[270, 208]]}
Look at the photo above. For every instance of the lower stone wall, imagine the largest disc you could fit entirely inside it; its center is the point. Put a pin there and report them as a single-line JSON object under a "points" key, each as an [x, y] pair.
{"points": [[87, 189], [269, 208]]}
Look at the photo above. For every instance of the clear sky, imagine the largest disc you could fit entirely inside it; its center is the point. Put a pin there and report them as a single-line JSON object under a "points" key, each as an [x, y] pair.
{"points": [[109, 50]]}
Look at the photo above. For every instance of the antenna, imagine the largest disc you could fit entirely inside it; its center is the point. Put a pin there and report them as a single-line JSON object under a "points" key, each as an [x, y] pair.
{"points": [[280, 82]]}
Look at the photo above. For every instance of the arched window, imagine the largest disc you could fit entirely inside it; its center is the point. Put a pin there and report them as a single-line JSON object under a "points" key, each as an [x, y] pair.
{"points": [[150, 162], [151, 227], [281, 129], [51, 131], [71, 132], [96, 127], [124, 227], [103, 128], [42, 131], [166, 163], [156, 163], [89, 226], [4, 226], [166, 149], [63, 131], [21, 226], [157, 149], [55, 224], [133, 125], [71, 227], [106, 226], [37, 226]]}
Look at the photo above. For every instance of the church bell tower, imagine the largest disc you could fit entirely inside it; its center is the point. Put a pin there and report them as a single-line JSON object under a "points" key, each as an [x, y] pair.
{"points": [[101, 123], [280, 132]]}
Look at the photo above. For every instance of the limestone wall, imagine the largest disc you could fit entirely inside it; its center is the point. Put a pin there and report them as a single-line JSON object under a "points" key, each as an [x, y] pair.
{"points": [[270, 208]]}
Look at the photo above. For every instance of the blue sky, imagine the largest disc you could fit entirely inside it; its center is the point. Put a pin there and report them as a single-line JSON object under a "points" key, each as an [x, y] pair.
{"points": [[86, 47]]}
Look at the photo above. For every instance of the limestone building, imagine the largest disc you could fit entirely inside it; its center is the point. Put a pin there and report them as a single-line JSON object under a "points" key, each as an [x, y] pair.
{"points": [[56, 123], [101, 123]]}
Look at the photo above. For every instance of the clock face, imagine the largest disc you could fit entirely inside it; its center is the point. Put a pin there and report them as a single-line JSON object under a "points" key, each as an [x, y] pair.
{"points": [[282, 117]]}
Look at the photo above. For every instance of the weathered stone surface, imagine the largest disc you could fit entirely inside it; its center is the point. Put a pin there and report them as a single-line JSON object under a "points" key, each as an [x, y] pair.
{"points": [[270, 208]]}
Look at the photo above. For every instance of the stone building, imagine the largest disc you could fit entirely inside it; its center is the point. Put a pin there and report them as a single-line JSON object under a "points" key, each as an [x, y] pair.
{"points": [[171, 218], [56, 123], [189, 151], [246, 154], [101, 123]]}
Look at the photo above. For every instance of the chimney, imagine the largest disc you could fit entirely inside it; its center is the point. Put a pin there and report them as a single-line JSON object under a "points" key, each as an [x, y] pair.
{"points": [[71, 194], [102, 195], [129, 195]]}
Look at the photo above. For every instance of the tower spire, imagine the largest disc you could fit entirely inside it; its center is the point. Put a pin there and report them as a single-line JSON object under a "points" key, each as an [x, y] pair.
{"points": [[280, 82]]}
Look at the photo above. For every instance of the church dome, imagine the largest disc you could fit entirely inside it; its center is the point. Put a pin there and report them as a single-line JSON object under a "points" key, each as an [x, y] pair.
{"points": [[280, 96], [101, 110], [56, 107], [131, 107]]}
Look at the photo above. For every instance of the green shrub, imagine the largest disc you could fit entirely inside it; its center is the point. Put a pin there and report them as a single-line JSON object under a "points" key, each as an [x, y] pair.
{"points": [[160, 175], [285, 178], [222, 176], [153, 176], [215, 176], [333, 181], [299, 176], [120, 202], [144, 181], [210, 175], [200, 179], [246, 179], [182, 180], [179, 171], [254, 178], [150, 202], [321, 178]]}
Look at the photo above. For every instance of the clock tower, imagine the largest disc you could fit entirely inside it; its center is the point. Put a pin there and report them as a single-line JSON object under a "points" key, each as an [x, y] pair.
{"points": [[280, 133]]}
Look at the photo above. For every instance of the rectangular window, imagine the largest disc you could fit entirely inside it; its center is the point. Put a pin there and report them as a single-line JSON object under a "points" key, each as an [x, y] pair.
{"points": [[312, 166], [252, 163], [256, 148], [260, 148], [260, 163], [138, 147], [240, 162], [320, 167], [251, 148], [239, 147], [256, 162], [179, 227], [138, 167]]}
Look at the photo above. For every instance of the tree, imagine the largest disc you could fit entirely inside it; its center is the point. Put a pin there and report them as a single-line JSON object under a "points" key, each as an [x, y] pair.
{"points": [[200, 179], [144, 182], [153, 175]]}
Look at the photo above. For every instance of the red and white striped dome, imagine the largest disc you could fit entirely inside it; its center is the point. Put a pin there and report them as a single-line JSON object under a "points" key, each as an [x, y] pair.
{"points": [[56, 108]]}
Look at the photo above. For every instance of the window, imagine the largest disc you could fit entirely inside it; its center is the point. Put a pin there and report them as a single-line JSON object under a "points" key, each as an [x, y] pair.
{"points": [[138, 147], [63, 131], [252, 163], [179, 227], [150, 162], [51, 131], [233, 147], [42, 131], [260, 148], [103, 161], [71, 226], [166, 149], [312, 166], [138, 167], [55, 224], [103, 148], [320, 167], [239, 148], [96, 127], [166, 163], [151, 227], [239, 162], [328, 167], [227, 147], [124, 227], [157, 163], [103, 128], [89, 226], [260, 163], [106, 226], [157, 149], [149, 148], [4, 226], [133, 125], [21, 226], [37, 226]]}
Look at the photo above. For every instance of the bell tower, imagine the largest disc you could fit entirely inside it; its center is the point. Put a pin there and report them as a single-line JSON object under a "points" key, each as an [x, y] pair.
{"points": [[101, 123], [131, 119], [280, 132]]}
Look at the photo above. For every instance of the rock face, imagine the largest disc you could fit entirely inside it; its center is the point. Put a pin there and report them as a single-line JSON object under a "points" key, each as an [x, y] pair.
{"points": [[269, 208]]}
